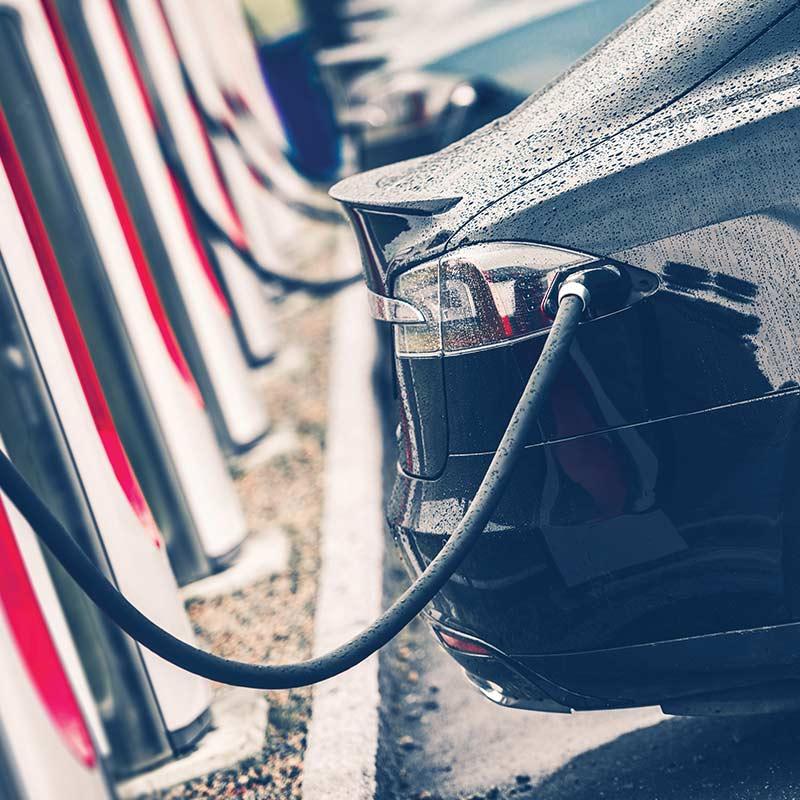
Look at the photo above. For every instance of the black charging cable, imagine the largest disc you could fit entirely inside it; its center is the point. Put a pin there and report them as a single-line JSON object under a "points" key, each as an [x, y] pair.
{"points": [[574, 298], [287, 283], [219, 127]]}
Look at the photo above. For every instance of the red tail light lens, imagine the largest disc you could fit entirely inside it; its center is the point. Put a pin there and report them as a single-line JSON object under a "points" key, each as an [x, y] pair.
{"points": [[460, 645], [32, 636]]}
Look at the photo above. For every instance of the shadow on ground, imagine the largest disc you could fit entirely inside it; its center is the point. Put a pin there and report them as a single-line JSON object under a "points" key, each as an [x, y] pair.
{"points": [[686, 758]]}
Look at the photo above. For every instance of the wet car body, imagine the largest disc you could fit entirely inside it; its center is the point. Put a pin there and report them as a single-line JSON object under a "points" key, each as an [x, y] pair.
{"points": [[647, 549]]}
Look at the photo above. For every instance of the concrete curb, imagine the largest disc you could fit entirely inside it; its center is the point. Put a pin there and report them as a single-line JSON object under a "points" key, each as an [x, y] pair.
{"points": [[276, 443], [263, 554], [343, 734], [240, 724]]}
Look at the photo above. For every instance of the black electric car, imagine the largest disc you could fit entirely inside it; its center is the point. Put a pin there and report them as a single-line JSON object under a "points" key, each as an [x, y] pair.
{"points": [[648, 548]]}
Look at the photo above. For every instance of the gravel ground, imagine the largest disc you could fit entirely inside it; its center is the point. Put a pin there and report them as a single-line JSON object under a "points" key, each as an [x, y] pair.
{"points": [[272, 620]]}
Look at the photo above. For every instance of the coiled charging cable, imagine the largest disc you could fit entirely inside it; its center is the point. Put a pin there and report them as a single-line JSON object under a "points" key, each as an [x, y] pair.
{"points": [[573, 300]]}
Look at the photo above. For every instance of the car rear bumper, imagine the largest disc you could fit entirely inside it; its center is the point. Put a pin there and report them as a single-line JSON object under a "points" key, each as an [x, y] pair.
{"points": [[634, 566], [661, 531], [748, 671]]}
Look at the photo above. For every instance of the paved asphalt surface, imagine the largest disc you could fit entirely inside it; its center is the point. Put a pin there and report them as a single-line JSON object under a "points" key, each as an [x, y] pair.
{"points": [[441, 739]]}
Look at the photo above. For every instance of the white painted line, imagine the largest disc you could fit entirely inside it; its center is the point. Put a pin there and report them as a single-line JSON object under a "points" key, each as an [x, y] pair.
{"points": [[240, 724], [343, 734], [263, 554]]}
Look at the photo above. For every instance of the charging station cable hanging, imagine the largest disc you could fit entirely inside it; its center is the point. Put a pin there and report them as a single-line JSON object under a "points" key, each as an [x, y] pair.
{"points": [[574, 297], [288, 283]]}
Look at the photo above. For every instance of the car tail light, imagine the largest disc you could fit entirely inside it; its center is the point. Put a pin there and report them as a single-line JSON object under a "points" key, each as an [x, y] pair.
{"points": [[461, 645], [487, 295]]}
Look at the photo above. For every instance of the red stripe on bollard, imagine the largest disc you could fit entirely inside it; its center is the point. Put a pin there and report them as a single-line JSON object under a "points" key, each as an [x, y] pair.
{"points": [[35, 645], [143, 268], [70, 327]]}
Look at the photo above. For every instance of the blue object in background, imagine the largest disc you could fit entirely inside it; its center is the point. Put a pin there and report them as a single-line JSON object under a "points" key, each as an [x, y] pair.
{"points": [[529, 56], [303, 104]]}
